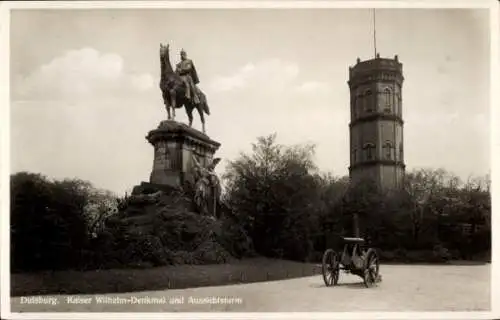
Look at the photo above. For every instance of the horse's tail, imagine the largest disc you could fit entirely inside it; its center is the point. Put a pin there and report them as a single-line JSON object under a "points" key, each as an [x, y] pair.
{"points": [[203, 101], [206, 108]]}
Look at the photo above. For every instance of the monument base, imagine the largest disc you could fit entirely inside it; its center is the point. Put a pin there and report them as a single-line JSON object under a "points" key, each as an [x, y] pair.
{"points": [[175, 144], [150, 188]]}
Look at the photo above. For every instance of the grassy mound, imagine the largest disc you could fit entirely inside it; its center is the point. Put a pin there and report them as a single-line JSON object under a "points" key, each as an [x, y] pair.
{"points": [[162, 228]]}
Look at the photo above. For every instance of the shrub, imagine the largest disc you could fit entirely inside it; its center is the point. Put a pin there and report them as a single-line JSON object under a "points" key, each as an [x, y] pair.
{"points": [[388, 256], [441, 254], [233, 238], [211, 252], [48, 227]]}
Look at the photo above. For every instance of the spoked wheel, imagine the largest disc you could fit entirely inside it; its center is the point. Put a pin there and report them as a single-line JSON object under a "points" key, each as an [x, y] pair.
{"points": [[371, 268], [330, 268]]}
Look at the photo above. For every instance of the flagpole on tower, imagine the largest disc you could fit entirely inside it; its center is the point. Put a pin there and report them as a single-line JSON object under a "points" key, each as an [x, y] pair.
{"points": [[374, 35]]}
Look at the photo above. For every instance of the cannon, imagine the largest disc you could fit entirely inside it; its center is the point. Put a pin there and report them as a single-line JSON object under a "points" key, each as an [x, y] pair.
{"points": [[355, 258]]}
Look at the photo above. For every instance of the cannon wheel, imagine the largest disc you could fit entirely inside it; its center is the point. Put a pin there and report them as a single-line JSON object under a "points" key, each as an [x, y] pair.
{"points": [[371, 268], [330, 268]]}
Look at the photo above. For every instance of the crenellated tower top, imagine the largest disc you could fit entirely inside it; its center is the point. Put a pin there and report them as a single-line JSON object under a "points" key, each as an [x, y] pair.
{"points": [[378, 69]]}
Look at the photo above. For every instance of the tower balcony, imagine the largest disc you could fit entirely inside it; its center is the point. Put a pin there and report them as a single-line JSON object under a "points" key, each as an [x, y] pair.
{"points": [[375, 162], [376, 116]]}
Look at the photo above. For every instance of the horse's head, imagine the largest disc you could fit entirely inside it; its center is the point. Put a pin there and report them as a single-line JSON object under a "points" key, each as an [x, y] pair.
{"points": [[163, 50], [166, 67]]}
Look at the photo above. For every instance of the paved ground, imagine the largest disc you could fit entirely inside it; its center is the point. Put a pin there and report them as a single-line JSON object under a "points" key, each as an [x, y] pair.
{"points": [[403, 288]]}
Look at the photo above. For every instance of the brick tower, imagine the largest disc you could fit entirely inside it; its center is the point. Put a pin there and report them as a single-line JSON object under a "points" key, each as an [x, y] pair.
{"points": [[376, 127]]}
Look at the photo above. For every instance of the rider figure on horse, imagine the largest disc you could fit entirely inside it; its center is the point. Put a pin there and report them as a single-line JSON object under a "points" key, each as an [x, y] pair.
{"points": [[186, 70]]}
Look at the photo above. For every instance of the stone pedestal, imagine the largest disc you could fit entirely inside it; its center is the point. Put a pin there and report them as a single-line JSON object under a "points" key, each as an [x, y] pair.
{"points": [[174, 145]]}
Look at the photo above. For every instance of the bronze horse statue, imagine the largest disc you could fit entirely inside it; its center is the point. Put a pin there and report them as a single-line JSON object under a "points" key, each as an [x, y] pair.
{"points": [[174, 91]]}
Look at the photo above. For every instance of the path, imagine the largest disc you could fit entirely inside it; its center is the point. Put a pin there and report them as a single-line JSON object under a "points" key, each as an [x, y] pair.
{"points": [[403, 288]]}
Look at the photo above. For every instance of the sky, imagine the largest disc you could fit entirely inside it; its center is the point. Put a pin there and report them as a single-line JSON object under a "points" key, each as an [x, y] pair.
{"points": [[84, 84]]}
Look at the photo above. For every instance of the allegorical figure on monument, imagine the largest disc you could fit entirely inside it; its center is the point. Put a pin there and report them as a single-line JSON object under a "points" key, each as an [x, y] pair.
{"points": [[207, 188], [186, 69]]}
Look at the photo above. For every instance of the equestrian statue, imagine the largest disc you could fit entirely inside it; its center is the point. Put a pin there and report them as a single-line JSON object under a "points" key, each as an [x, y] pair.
{"points": [[179, 87]]}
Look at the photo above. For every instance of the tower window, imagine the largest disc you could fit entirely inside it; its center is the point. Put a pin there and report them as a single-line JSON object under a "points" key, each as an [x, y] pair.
{"points": [[401, 151], [354, 155], [399, 104], [368, 101], [369, 150], [387, 97], [357, 105], [388, 150]]}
